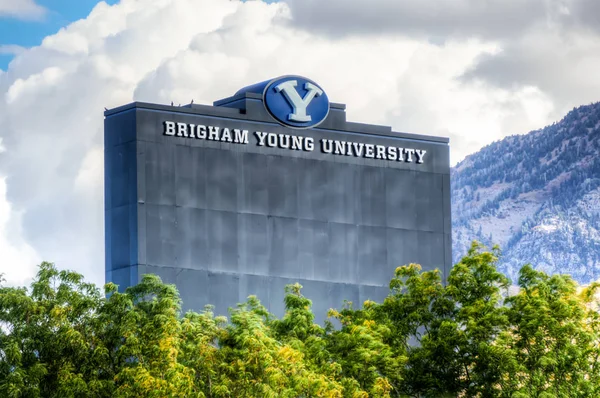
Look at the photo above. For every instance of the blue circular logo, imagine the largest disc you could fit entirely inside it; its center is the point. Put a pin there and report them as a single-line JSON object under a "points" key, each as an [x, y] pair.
{"points": [[296, 101]]}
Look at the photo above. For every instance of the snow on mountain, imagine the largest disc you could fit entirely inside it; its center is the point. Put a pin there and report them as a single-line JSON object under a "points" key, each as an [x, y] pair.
{"points": [[537, 196]]}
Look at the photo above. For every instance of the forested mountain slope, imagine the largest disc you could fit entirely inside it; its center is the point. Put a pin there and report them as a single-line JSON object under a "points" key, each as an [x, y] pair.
{"points": [[537, 196]]}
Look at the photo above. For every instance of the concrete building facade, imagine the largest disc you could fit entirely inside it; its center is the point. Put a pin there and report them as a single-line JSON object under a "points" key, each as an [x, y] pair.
{"points": [[226, 201]]}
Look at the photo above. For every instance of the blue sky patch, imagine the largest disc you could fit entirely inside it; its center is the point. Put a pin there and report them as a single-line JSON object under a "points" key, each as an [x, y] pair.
{"points": [[29, 33]]}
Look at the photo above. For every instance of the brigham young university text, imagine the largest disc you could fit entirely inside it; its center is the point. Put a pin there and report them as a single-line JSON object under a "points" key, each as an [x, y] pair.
{"points": [[294, 142]]}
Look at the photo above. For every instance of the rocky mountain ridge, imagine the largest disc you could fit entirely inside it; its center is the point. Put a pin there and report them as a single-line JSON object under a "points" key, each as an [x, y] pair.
{"points": [[537, 196]]}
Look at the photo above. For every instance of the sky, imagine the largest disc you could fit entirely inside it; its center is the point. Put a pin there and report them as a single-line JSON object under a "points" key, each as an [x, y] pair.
{"points": [[24, 23], [469, 70]]}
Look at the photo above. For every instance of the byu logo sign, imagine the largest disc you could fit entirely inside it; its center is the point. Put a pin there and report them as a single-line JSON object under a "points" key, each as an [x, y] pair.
{"points": [[296, 101]]}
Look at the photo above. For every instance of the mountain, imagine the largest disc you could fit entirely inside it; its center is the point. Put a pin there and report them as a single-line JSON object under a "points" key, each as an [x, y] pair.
{"points": [[537, 196]]}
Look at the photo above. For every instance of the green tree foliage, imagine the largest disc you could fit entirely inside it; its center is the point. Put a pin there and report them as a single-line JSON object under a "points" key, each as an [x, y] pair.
{"points": [[464, 336], [554, 335]]}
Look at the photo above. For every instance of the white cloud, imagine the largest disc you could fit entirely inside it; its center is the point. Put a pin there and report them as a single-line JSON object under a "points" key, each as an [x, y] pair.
{"points": [[22, 9], [17, 258], [11, 49], [441, 20], [178, 50]]}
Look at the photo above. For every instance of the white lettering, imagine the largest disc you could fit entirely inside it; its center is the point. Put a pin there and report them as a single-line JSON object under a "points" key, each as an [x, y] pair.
{"points": [[349, 150], [309, 144], [213, 133], [284, 141], [200, 131], [226, 136], [358, 148], [297, 142], [392, 154], [169, 128], [241, 136], [261, 137], [287, 141], [182, 130], [326, 145], [400, 155], [340, 147]]}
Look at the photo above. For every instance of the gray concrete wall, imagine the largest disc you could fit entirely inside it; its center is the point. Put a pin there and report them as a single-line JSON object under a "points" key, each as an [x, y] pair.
{"points": [[223, 220]]}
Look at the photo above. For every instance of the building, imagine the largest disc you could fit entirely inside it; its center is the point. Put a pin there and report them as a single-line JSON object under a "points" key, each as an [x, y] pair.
{"points": [[269, 187]]}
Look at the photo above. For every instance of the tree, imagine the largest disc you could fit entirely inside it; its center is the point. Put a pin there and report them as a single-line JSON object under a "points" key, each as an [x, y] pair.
{"points": [[462, 336], [48, 343], [554, 335], [63, 338], [454, 326]]}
